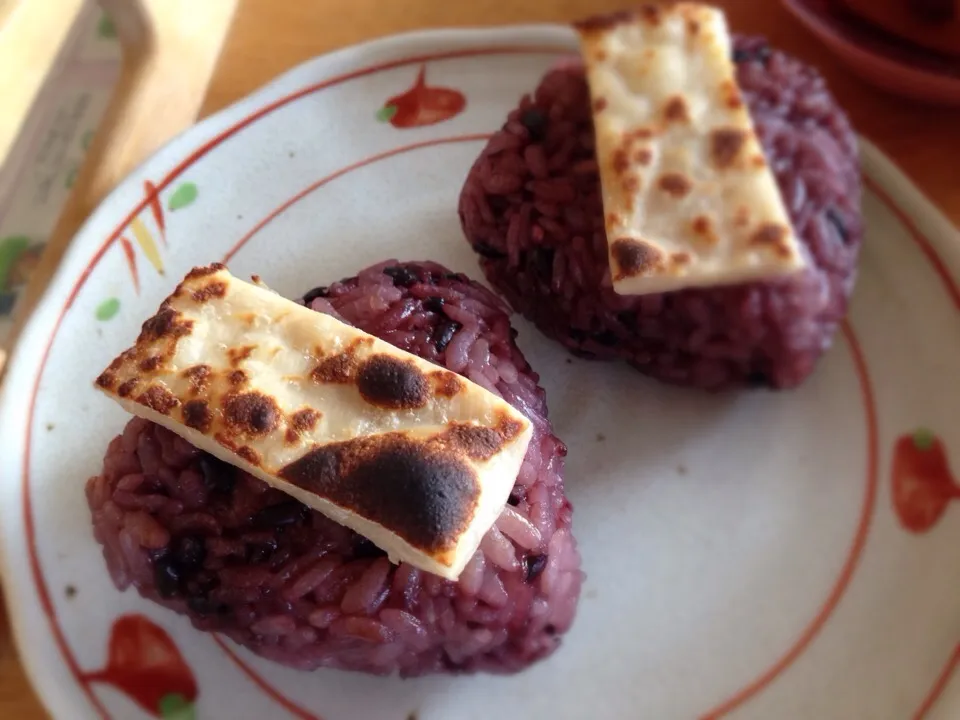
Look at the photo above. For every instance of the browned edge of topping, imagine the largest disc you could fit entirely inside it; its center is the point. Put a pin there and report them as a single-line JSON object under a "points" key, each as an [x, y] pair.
{"points": [[600, 104], [479, 442], [772, 235], [236, 378], [675, 184], [604, 22], [643, 156], [127, 387], [634, 257], [725, 146], [250, 455], [387, 382], [208, 291], [414, 489]]}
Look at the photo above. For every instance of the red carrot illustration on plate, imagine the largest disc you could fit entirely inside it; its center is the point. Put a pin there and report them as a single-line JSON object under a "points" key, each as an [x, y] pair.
{"points": [[143, 663], [155, 208], [922, 482], [422, 104]]}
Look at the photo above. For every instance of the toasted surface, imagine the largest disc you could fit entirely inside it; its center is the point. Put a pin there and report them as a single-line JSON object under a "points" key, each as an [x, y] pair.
{"points": [[689, 200], [417, 459]]}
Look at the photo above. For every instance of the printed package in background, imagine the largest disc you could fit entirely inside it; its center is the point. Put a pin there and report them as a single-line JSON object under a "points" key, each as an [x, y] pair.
{"points": [[43, 164]]}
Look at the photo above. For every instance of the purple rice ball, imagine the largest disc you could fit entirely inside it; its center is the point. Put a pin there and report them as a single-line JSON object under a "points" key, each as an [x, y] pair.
{"points": [[240, 558], [532, 210]]}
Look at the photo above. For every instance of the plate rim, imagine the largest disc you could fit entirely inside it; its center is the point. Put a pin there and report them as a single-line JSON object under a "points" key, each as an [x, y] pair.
{"points": [[24, 364]]}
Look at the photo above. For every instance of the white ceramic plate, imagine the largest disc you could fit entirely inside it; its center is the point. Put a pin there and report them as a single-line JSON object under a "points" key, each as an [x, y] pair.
{"points": [[743, 555]]}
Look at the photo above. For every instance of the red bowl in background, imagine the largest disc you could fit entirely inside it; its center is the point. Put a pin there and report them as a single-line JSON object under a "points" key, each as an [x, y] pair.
{"points": [[883, 61]]}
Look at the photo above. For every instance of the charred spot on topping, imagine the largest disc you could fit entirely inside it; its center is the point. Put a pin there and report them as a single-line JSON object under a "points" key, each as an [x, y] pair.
{"points": [[446, 384], [238, 355], [533, 565], [197, 415], [758, 161], [339, 368], [158, 399], [424, 496], [127, 387], [251, 413], [620, 161], [675, 184], [106, 380], [249, 454], [676, 110], [725, 146], [443, 334], [433, 304], [680, 258], [226, 441], [634, 257], [124, 357], [600, 104], [208, 291], [642, 156], [613, 219], [166, 323], [401, 276], [237, 378], [198, 376], [291, 437], [603, 22], [151, 363], [387, 382], [305, 420], [693, 27], [769, 234], [703, 227], [535, 121]]}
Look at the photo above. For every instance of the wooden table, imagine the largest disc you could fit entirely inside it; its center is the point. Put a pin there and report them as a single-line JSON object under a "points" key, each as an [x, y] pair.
{"points": [[270, 36]]}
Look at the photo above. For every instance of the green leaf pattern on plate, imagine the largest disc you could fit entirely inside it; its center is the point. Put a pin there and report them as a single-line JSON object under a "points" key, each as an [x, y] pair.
{"points": [[108, 308], [176, 707], [386, 112], [183, 196]]}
